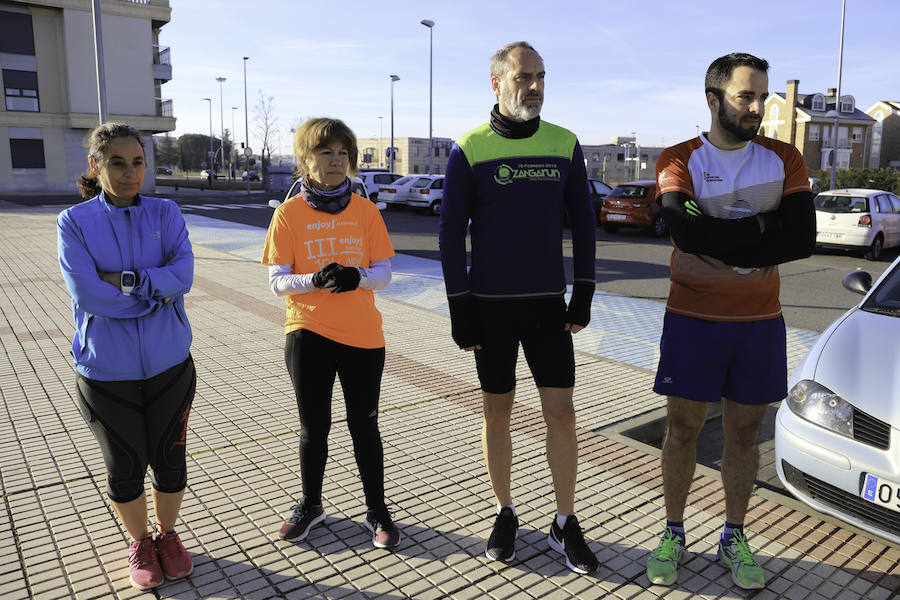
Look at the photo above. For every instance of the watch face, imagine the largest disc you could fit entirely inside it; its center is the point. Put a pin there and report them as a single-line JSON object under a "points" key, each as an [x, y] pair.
{"points": [[127, 279]]}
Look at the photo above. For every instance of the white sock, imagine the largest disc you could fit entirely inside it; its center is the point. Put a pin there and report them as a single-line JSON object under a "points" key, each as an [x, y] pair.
{"points": [[510, 506], [561, 520]]}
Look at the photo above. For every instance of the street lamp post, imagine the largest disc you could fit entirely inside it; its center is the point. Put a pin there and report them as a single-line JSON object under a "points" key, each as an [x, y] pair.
{"points": [[391, 149], [233, 156], [221, 122], [246, 129], [211, 154], [837, 102], [380, 137], [430, 25]]}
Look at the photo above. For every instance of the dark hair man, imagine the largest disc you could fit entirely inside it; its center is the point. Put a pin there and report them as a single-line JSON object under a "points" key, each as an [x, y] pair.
{"points": [[514, 178], [737, 205]]}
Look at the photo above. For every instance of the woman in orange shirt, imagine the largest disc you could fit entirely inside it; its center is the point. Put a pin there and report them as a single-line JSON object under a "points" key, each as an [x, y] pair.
{"points": [[327, 249]]}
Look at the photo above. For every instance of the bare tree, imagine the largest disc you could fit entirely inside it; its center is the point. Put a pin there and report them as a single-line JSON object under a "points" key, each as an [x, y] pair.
{"points": [[266, 125]]}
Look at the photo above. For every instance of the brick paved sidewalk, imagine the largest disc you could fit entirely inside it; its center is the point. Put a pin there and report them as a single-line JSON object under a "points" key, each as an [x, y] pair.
{"points": [[59, 539]]}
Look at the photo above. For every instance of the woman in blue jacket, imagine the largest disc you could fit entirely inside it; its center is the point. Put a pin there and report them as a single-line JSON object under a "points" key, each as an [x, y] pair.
{"points": [[127, 262]]}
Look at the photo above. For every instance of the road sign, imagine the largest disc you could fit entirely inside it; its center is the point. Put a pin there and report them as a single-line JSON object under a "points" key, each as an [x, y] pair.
{"points": [[248, 151]]}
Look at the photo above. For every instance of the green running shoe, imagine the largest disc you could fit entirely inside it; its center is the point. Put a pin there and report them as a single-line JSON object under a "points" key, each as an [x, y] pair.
{"points": [[662, 566], [745, 572]]}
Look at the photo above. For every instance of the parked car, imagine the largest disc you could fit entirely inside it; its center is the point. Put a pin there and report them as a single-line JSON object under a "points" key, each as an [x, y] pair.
{"points": [[395, 193], [356, 186], [858, 218], [837, 432], [375, 179], [163, 171], [598, 190], [251, 175], [632, 203], [427, 192]]}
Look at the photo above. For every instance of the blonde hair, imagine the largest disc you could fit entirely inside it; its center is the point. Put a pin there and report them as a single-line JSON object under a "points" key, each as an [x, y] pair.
{"points": [[319, 132]]}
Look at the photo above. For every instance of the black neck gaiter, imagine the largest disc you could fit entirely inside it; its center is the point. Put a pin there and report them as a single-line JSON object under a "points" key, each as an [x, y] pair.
{"points": [[513, 129]]}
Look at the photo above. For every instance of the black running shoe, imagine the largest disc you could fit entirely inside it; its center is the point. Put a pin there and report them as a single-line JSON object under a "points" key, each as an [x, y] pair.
{"points": [[569, 541], [300, 522], [502, 543]]}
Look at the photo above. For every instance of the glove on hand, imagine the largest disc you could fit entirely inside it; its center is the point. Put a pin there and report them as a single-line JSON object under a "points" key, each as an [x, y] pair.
{"points": [[325, 277], [692, 208], [464, 326], [579, 310], [345, 279], [769, 223]]}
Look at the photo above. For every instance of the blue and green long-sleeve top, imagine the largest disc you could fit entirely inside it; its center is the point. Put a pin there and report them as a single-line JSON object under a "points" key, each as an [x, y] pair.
{"points": [[515, 192]]}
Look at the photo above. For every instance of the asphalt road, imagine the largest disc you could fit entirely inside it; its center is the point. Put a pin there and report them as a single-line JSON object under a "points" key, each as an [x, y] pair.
{"points": [[629, 262]]}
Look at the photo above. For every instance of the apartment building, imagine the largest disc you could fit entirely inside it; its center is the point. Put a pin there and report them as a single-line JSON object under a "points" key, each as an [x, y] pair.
{"points": [[807, 121], [411, 155], [50, 85], [885, 150], [621, 161]]}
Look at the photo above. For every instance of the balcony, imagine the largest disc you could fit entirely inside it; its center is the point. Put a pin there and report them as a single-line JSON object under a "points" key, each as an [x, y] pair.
{"points": [[162, 63], [842, 144], [163, 107]]}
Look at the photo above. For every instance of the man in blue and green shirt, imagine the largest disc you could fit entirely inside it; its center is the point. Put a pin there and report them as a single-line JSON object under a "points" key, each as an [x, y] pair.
{"points": [[515, 178]]}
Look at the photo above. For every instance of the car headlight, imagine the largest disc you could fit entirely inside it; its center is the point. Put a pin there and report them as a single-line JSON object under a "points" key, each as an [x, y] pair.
{"points": [[819, 405]]}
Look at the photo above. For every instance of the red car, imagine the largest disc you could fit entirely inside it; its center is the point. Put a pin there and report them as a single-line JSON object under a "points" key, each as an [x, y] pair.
{"points": [[633, 203]]}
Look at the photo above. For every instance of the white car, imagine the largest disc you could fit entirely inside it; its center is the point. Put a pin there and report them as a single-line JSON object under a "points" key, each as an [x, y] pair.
{"points": [[356, 186], [375, 179], [837, 434], [427, 192], [858, 218], [395, 193]]}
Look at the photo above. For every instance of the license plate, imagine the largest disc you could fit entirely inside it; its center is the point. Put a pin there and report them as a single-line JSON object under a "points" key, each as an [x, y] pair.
{"points": [[616, 217], [829, 235], [882, 492]]}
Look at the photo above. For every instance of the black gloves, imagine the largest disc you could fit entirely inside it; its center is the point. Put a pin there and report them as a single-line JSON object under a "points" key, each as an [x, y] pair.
{"points": [[338, 278], [464, 325], [579, 310], [345, 279]]}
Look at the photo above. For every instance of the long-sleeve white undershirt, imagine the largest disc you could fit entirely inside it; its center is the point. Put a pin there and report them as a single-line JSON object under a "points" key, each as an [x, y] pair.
{"points": [[284, 282]]}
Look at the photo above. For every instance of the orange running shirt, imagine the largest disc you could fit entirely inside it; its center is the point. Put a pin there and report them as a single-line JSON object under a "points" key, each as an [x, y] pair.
{"points": [[308, 240], [728, 184]]}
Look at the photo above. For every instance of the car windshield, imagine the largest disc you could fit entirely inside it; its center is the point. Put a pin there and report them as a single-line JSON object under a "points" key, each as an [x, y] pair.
{"points": [[402, 180], [359, 189], [841, 204], [628, 191], [422, 182], [886, 297]]}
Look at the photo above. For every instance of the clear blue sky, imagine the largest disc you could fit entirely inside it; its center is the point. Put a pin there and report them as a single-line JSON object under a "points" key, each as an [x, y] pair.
{"points": [[613, 67]]}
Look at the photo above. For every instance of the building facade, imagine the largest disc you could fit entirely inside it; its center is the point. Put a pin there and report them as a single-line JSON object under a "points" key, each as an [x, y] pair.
{"points": [[807, 122], [411, 154], [885, 149], [50, 83], [620, 161]]}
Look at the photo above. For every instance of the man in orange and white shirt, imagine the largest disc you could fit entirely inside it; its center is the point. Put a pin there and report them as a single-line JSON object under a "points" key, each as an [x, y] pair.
{"points": [[737, 204]]}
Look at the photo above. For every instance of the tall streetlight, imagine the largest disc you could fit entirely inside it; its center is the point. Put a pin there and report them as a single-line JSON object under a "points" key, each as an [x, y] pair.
{"points": [[221, 122], [837, 102], [246, 129], [233, 156], [380, 137], [430, 25], [391, 149], [211, 154]]}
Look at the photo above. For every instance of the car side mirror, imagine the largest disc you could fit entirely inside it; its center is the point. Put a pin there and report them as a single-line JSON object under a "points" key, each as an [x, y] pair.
{"points": [[858, 281], [274, 203]]}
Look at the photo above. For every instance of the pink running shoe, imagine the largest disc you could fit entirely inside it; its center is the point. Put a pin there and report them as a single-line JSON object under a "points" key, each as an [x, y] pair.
{"points": [[176, 562], [144, 569]]}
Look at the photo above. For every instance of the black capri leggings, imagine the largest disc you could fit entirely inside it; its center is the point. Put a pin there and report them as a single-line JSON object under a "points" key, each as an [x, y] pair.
{"points": [[140, 423], [313, 360]]}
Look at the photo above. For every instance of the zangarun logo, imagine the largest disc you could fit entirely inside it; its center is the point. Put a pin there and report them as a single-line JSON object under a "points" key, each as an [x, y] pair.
{"points": [[505, 174]]}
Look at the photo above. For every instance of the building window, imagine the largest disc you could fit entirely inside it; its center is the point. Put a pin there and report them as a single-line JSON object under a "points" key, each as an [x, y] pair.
{"points": [[27, 154], [847, 104], [16, 35], [595, 156], [857, 135], [21, 90], [813, 133], [818, 102], [620, 157]]}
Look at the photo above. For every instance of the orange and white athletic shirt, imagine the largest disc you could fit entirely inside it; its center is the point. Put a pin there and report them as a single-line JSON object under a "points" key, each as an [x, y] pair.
{"points": [[310, 239], [728, 184]]}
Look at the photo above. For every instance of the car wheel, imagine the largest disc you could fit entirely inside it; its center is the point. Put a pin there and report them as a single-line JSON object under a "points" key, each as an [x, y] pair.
{"points": [[658, 229], [436, 208], [874, 250], [610, 227]]}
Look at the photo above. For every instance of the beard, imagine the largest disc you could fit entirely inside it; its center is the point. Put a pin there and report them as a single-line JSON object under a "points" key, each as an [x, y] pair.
{"points": [[520, 110], [733, 125]]}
